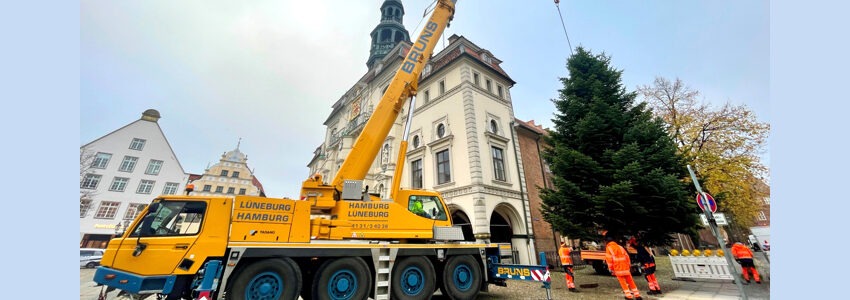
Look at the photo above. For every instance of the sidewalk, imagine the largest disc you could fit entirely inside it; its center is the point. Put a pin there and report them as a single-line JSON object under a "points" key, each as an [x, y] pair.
{"points": [[725, 289]]}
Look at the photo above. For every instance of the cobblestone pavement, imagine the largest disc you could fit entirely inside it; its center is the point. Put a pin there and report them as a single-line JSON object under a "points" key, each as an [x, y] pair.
{"points": [[607, 287]]}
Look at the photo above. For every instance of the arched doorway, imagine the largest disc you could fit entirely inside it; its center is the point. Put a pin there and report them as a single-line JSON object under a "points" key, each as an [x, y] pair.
{"points": [[500, 229], [508, 230], [459, 218]]}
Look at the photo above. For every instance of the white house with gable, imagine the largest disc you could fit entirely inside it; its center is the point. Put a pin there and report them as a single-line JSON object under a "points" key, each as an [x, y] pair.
{"points": [[120, 173]]}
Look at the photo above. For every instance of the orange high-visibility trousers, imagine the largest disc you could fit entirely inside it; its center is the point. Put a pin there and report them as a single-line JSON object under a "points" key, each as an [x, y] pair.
{"points": [[748, 266], [568, 276], [651, 280], [629, 287]]}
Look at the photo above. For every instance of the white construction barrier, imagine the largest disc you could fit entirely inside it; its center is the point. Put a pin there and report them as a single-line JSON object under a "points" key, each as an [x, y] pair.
{"points": [[700, 267]]}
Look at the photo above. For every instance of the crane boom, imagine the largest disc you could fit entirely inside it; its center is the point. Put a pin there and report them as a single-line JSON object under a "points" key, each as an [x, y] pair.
{"points": [[402, 86]]}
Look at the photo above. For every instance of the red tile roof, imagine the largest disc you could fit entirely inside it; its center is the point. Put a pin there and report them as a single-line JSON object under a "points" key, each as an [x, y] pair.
{"points": [[193, 177], [532, 127]]}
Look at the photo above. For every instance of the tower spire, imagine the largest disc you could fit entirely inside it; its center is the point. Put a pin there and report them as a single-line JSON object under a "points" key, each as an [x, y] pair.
{"points": [[389, 31], [238, 143]]}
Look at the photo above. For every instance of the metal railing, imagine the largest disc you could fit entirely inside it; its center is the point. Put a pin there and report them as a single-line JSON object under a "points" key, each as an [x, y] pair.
{"points": [[352, 127]]}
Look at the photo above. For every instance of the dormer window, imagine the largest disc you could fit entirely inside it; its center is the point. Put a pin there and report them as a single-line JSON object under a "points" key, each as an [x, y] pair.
{"points": [[485, 57], [427, 70]]}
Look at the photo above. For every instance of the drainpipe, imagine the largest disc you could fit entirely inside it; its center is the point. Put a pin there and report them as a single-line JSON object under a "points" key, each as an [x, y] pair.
{"points": [[522, 194], [555, 238]]}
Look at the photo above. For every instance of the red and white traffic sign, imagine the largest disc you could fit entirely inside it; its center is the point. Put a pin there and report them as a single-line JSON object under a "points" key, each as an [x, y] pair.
{"points": [[711, 203]]}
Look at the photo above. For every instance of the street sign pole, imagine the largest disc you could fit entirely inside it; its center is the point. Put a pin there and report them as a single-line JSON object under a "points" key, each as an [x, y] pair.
{"points": [[713, 225]]}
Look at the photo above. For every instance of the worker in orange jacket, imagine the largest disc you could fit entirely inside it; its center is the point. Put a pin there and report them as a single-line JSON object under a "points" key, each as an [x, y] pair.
{"points": [[647, 262], [567, 264], [744, 256], [620, 265]]}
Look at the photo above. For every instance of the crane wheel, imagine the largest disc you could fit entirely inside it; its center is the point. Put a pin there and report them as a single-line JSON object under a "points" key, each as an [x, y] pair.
{"points": [[413, 278], [277, 278], [342, 278], [461, 277], [600, 267]]}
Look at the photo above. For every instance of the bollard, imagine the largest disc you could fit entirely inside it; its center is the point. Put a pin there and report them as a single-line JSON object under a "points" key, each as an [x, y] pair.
{"points": [[548, 283]]}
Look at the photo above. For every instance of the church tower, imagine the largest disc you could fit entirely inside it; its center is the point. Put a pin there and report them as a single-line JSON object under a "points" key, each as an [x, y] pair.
{"points": [[389, 32]]}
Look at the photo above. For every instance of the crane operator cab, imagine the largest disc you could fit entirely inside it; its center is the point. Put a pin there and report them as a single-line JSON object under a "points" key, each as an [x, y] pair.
{"points": [[427, 207]]}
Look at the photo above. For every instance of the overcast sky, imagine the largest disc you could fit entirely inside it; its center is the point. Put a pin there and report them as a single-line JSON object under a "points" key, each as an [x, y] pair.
{"points": [[268, 71]]}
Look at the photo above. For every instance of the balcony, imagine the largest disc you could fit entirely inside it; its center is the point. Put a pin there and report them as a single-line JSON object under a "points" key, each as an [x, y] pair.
{"points": [[352, 129]]}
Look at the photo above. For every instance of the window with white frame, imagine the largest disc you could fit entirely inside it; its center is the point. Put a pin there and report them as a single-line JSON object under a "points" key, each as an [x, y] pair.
{"points": [[90, 181], [231, 190], [416, 174], [235, 174], [475, 79], [499, 164], [488, 85], [119, 184], [500, 92], [128, 164], [442, 87], [427, 96], [145, 187], [219, 189], [762, 216], [101, 160], [170, 188], [444, 173], [107, 210], [85, 206], [137, 144], [223, 173], [242, 191], [207, 188], [133, 210], [153, 167]]}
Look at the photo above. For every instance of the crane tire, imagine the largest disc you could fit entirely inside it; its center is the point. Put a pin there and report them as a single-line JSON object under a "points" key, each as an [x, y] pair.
{"points": [[342, 278], [275, 278], [413, 278], [461, 277]]}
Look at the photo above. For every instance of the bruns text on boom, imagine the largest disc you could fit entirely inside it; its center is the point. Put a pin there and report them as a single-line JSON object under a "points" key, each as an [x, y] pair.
{"points": [[418, 48]]}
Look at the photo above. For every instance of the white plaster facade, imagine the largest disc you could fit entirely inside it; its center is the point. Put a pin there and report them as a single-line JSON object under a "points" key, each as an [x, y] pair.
{"points": [[120, 192], [463, 109]]}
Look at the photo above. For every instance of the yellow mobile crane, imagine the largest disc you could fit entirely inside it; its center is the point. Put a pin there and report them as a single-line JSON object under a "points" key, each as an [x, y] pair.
{"points": [[336, 242]]}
